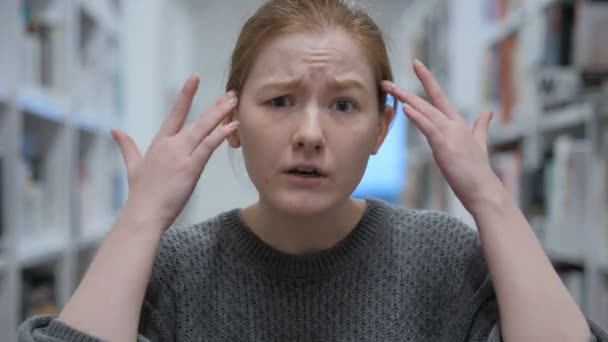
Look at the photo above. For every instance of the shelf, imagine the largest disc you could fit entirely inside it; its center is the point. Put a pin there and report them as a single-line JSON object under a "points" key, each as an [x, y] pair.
{"points": [[92, 239], [3, 94], [102, 14], [91, 124], [41, 286], [39, 103], [564, 261], [567, 117], [514, 20], [505, 135], [505, 27], [40, 249]]}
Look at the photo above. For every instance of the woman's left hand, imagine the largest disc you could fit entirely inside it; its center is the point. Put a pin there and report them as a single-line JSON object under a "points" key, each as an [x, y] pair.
{"points": [[460, 150]]}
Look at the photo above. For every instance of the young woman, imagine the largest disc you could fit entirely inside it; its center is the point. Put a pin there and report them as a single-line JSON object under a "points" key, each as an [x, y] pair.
{"points": [[306, 261]]}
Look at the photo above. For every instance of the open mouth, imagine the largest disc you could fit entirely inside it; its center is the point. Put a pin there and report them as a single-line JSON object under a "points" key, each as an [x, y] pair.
{"points": [[305, 172]]}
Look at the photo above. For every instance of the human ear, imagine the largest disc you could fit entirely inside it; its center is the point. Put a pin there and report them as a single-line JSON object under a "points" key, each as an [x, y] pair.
{"points": [[233, 139], [384, 124]]}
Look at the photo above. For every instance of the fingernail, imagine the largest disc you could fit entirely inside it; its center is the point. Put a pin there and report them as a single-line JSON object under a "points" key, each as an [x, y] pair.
{"points": [[231, 97], [419, 63], [193, 78], [387, 85]]}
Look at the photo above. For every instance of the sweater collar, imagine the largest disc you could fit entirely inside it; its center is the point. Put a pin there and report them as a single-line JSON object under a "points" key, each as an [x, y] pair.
{"points": [[254, 252]]}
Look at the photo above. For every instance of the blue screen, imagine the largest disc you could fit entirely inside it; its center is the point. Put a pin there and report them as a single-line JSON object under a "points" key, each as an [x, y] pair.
{"points": [[385, 174]]}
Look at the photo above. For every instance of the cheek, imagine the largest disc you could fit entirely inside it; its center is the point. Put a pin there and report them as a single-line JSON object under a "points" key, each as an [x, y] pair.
{"points": [[353, 147], [359, 138], [260, 149]]}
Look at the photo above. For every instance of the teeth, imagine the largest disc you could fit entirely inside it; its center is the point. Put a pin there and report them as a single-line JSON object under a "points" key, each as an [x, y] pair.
{"points": [[306, 171]]}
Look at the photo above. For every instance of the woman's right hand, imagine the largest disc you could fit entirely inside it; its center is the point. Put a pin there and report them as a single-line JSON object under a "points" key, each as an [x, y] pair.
{"points": [[162, 181]]}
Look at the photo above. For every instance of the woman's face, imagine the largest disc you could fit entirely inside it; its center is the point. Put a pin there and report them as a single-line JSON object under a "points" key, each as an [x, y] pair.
{"points": [[309, 120]]}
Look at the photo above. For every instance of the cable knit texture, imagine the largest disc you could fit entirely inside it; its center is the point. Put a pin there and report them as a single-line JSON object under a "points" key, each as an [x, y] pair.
{"points": [[400, 275]]}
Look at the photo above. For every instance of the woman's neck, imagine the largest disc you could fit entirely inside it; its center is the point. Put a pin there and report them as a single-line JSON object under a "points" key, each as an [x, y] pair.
{"points": [[298, 235]]}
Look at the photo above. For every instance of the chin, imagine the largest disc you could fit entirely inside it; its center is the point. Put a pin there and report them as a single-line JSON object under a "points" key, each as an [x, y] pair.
{"points": [[302, 204]]}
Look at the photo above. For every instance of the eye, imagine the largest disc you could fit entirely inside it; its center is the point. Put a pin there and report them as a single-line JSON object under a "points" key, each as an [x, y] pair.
{"points": [[281, 101], [345, 105]]}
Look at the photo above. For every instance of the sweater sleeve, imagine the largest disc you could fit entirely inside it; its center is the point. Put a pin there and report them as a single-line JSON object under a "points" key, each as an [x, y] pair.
{"points": [[155, 324]]}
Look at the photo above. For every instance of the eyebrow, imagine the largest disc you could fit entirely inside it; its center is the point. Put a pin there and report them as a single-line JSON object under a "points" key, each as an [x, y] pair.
{"points": [[280, 85], [334, 83], [346, 84]]}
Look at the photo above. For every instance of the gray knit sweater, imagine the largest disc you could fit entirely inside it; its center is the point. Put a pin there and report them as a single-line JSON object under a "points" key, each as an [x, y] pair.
{"points": [[401, 275]]}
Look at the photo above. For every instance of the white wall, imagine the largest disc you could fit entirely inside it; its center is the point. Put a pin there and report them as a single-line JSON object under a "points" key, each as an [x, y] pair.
{"points": [[216, 27], [142, 62]]}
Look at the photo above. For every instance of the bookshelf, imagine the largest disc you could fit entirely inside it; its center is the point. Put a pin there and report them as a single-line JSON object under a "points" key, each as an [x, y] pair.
{"points": [[529, 62], [61, 177]]}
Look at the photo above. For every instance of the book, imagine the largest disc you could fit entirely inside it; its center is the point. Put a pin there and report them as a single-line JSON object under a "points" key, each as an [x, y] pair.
{"points": [[508, 167], [565, 190], [590, 50], [501, 78], [426, 188], [559, 29], [38, 291]]}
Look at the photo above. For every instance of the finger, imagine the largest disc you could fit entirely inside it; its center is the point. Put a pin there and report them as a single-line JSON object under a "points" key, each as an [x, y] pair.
{"points": [[178, 114], [194, 133], [433, 89], [421, 121], [481, 128], [128, 149], [416, 102], [205, 149]]}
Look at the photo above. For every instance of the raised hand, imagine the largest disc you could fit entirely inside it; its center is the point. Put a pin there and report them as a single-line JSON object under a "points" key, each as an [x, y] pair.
{"points": [[161, 182], [459, 149]]}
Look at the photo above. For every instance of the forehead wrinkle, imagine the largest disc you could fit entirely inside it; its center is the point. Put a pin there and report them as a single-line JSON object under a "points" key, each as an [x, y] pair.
{"points": [[289, 64]]}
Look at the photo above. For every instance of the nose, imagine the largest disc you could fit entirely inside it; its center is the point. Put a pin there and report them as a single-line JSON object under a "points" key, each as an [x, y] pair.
{"points": [[309, 135]]}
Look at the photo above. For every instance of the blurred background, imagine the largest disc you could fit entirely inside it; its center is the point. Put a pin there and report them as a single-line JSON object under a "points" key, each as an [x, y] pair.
{"points": [[70, 70]]}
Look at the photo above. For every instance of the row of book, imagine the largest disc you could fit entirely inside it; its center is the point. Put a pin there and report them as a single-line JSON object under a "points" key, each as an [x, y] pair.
{"points": [[97, 76], [44, 44], [96, 82], [573, 41], [554, 195], [39, 285], [99, 191], [430, 43]]}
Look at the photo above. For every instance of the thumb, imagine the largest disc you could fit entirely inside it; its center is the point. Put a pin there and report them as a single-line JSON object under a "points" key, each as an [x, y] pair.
{"points": [[481, 128], [128, 149]]}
